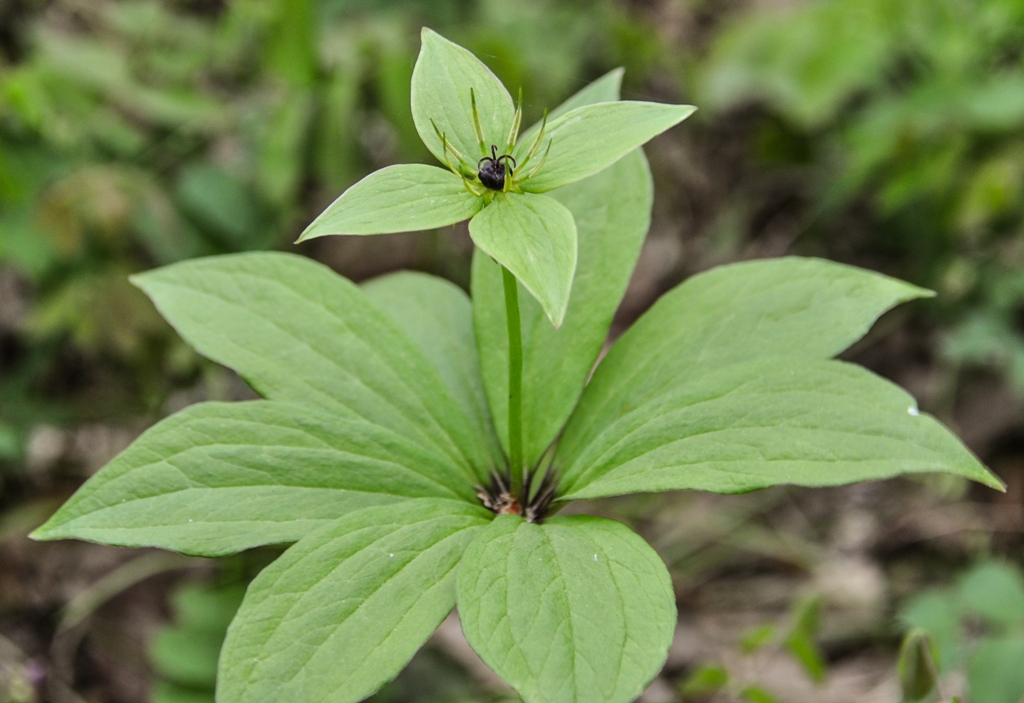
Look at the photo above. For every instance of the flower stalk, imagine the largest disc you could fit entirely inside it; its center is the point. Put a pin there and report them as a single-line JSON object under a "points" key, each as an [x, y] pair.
{"points": [[515, 385]]}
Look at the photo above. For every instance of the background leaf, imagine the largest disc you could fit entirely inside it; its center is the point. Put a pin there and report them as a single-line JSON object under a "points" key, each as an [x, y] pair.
{"points": [[995, 591], [792, 306], [343, 610], [218, 478], [593, 137], [400, 198], [777, 420], [576, 609], [534, 237], [298, 332], [441, 83], [996, 674]]}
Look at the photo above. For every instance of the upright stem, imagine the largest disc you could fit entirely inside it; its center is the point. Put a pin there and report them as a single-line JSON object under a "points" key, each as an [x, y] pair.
{"points": [[515, 383]]}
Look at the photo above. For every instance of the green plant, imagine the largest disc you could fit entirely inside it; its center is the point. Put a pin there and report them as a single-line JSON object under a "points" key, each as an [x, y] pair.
{"points": [[184, 655], [975, 627], [416, 446]]}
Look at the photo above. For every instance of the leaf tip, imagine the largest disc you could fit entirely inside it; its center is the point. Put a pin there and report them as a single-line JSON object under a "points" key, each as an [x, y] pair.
{"points": [[46, 532]]}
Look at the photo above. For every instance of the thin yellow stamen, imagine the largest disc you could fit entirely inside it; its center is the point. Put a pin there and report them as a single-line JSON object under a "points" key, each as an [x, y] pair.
{"points": [[476, 123], [536, 144]]}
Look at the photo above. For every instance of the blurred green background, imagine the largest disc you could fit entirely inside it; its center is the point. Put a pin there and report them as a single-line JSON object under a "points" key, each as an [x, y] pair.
{"points": [[883, 133]]}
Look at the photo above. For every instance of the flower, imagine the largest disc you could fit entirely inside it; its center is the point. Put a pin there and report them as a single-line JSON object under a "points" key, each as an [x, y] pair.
{"points": [[461, 109]]}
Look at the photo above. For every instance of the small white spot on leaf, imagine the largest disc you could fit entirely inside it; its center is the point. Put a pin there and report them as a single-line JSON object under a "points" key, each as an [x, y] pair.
{"points": [[913, 411]]}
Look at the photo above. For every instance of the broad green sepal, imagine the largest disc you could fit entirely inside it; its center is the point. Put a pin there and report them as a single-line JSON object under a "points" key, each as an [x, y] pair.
{"points": [[612, 212], [401, 198], [534, 237], [575, 610], [442, 81], [809, 308], [593, 137], [783, 420], [344, 610], [218, 478], [298, 332], [603, 90]]}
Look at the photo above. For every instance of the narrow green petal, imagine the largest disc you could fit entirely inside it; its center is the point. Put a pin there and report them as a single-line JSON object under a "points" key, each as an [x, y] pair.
{"points": [[591, 138], [402, 198], [534, 237], [444, 75]]}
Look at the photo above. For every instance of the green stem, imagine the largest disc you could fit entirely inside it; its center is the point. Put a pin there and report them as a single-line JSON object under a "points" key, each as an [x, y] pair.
{"points": [[515, 382]]}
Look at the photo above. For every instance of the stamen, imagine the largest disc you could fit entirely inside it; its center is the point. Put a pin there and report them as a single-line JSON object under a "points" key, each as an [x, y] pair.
{"points": [[476, 123], [540, 138], [513, 133], [448, 146], [541, 164]]}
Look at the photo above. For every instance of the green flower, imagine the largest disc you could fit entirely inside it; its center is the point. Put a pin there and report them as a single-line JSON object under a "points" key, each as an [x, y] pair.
{"points": [[464, 115]]}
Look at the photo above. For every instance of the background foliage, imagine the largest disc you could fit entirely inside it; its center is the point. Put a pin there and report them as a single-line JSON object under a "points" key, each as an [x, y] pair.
{"points": [[888, 134]]}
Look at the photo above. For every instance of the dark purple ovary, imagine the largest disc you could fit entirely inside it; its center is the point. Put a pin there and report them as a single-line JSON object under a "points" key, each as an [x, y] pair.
{"points": [[492, 174], [491, 169]]}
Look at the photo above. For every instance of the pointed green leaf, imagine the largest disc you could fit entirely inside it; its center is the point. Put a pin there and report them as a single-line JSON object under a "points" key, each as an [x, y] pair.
{"points": [[534, 237], [298, 332], [344, 609], [591, 138], [996, 674], [603, 90], [917, 665], [444, 75], [782, 420], [218, 478], [612, 213], [576, 610], [780, 307], [402, 198], [438, 316]]}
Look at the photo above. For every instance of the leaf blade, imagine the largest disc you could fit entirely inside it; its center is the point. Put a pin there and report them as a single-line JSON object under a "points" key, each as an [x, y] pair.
{"points": [[589, 139], [343, 610], [298, 332], [527, 596], [810, 308], [441, 82], [534, 237], [218, 478], [782, 420], [399, 198], [438, 316]]}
